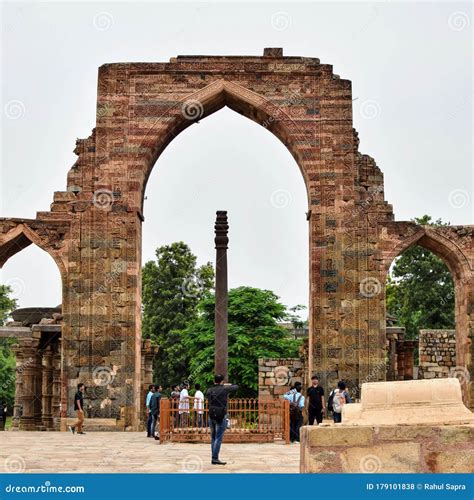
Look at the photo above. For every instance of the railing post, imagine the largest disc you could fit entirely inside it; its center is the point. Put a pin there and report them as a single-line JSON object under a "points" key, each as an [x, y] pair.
{"points": [[164, 418]]}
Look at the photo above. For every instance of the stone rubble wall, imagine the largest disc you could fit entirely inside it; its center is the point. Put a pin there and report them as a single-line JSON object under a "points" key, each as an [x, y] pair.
{"points": [[437, 353], [276, 376]]}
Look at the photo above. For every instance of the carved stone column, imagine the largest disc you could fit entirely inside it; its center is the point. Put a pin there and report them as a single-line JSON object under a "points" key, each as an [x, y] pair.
{"points": [[38, 385], [409, 359], [47, 388], [18, 404], [56, 392], [400, 361], [29, 346]]}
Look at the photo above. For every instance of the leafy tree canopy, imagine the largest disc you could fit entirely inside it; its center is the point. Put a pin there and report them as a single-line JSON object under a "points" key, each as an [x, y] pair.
{"points": [[172, 288], [253, 333], [7, 358], [420, 289]]}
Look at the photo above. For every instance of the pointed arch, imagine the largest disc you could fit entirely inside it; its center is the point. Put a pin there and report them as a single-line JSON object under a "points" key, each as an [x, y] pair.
{"points": [[20, 237], [447, 249], [191, 108]]}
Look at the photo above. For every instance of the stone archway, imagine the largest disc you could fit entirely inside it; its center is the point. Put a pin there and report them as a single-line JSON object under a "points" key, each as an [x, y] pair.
{"points": [[453, 245], [95, 226]]}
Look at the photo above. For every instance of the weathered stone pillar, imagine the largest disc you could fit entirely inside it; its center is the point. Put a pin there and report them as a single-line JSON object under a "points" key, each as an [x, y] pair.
{"points": [[56, 391], [47, 388], [38, 385], [18, 404], [400, 361], [29, 347], [409, 359], [147, 375]]}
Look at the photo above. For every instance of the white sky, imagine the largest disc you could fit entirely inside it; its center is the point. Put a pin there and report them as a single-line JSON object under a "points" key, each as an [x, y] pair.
{"points": [[411, 70]]}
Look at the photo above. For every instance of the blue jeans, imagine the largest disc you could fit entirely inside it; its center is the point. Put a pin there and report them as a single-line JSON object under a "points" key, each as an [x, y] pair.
{"points": [[217, 433], [337, 417], [149, 424], [295, 424], [154, 422]]}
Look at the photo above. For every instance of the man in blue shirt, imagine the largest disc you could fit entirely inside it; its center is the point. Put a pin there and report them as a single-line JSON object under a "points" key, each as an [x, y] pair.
{"points": [[296, 400], [149, 423]]}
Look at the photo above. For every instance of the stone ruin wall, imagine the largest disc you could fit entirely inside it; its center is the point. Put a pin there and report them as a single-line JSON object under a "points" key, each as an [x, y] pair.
{"points": [[437, 353], [93, 229], [276, 376]]}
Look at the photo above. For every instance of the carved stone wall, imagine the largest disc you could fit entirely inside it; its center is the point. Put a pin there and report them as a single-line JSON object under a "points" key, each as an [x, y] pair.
{"points": [[93, 230]]}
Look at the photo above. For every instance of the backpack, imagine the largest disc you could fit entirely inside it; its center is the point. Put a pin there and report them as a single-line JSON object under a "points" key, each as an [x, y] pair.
{"points": [[295, 410], [217, 408], [339, 400]]}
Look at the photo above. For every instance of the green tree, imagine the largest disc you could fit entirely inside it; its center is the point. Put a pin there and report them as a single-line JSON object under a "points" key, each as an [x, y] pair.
{"points": [[172, 287], [420, 289], [253, 333], [7, 358]]}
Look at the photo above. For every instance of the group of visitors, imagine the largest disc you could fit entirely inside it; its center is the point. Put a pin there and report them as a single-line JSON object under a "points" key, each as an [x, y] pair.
{"points": [[315, 405], [180, 396], [217, 396]]}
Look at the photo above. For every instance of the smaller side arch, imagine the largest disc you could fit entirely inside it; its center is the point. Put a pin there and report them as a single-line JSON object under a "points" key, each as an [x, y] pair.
{"points": [[21, 236], [444, 243]]}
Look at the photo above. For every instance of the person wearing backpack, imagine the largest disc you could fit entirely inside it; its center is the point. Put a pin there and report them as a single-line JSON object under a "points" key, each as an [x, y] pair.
{"points": [[217, 402], [338, 398], [296, 400]]}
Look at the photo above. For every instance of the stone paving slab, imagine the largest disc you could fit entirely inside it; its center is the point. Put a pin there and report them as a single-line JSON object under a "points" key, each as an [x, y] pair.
{"points": [[120, 452]]}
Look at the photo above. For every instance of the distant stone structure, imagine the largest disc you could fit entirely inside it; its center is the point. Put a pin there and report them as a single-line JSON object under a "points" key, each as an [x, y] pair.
{"points": [[437, 354], [277, 375], [37, 406], [93, 229]]}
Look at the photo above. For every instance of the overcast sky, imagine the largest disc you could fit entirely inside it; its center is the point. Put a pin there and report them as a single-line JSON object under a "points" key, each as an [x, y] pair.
{"points": [[411, 70]]}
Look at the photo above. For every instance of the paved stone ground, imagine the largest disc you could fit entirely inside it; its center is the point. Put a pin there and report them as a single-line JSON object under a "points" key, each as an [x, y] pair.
{"points": [[133, 452]]}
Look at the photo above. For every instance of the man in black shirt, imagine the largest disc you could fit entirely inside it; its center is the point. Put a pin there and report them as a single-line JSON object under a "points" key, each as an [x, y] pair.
{"points": [[155, 410], [217, 398], [316, 406], [79, 407]]}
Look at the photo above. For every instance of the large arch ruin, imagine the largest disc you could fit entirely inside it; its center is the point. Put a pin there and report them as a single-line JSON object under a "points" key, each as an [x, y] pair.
{"points": [[93, 230]]}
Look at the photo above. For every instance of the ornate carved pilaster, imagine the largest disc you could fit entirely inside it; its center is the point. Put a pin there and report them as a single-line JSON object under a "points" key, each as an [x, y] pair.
{"points": [[28, 396], [56, 391], [47, 388], [18, 404]]}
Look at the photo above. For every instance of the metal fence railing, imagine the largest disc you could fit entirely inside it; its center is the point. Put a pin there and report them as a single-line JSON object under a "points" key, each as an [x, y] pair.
{"points": [[249, 420]]}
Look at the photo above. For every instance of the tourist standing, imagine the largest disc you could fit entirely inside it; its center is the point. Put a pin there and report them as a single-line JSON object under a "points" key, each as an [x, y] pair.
{"points": [[3, 415], [79, 408], [339, 398], [296, 400], [149, 418], [155, 410], [184, 405], [199, 405], [316, 406], [217, 400]]}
